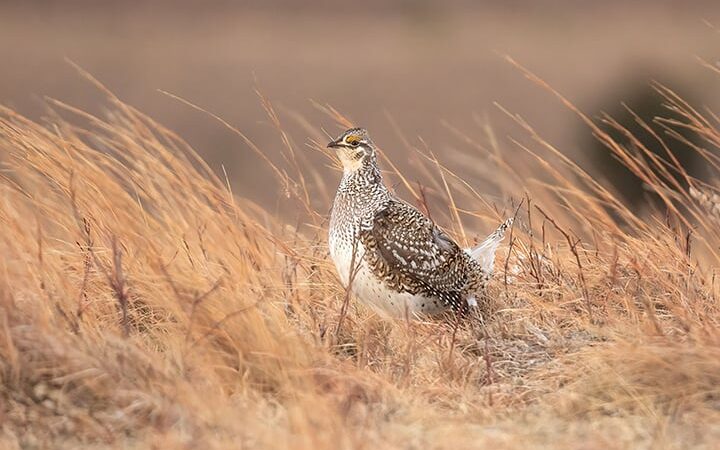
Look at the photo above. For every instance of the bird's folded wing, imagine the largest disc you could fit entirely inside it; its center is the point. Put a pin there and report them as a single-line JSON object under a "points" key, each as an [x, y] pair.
{"points": [[407, 242]]}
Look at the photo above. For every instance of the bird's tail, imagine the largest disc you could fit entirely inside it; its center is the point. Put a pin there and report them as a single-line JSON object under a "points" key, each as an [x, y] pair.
{"points": [[484, 253]]}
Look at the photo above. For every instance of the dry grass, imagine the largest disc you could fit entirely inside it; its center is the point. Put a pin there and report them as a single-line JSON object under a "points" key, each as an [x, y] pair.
{"points": [[142, 305]]}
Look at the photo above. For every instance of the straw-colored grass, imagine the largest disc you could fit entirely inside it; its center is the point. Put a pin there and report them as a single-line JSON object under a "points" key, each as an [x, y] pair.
{"points": [[142, 305]]}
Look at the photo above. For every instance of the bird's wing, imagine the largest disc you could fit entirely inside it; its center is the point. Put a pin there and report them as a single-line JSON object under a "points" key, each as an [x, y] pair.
{"points": [[405, 241]]}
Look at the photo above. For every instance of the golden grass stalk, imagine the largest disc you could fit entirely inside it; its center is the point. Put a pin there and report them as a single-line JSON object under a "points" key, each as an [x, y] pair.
{"points": [[142, 304]]}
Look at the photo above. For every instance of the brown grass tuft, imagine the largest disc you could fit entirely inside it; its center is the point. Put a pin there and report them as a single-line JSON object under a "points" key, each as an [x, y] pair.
{"points": [[142, 304]]}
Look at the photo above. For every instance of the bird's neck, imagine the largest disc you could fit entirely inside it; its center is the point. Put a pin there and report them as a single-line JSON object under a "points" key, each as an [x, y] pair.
{"points": [[360, 192], [366, 176]]}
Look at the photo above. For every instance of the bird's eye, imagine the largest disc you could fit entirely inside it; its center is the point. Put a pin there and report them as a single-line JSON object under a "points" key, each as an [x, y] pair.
{"points": [[352, 140]]}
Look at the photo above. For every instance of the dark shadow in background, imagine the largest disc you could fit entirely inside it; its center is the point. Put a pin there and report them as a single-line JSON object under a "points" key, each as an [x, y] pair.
{"points": [[635, 95]]}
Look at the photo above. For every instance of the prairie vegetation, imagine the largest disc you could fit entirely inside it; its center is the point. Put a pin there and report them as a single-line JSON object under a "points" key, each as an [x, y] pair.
{"points": [[143, 305]]}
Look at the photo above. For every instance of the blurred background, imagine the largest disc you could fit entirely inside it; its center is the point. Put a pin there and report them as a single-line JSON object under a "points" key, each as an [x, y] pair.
{"points": [[416, 66]]}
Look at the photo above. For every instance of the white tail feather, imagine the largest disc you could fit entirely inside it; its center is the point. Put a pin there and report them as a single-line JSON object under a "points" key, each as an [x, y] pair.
{"points": [[484, 253]]}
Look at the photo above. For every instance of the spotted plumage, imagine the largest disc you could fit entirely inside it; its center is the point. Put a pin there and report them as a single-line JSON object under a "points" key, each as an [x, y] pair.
{"points": [[390, 254]]}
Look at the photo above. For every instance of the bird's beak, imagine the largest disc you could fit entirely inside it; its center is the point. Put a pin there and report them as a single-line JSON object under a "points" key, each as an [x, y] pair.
{"points": [[335, 144]]}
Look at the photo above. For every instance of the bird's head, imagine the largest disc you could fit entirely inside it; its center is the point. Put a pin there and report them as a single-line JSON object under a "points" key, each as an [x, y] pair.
{"points": [[354, 148]]}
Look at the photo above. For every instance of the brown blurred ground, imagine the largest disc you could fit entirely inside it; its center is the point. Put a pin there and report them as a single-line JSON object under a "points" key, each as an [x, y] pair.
{"points": [[420, 63]]}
